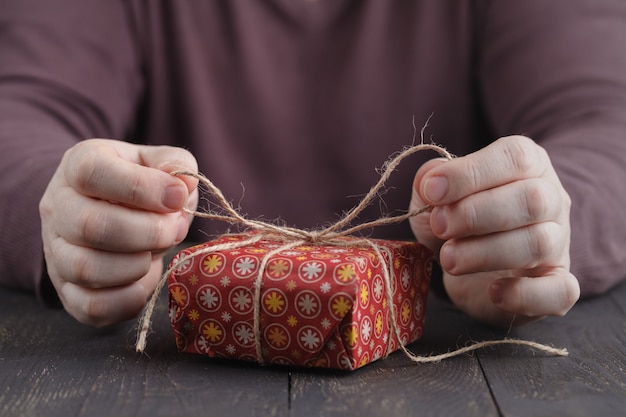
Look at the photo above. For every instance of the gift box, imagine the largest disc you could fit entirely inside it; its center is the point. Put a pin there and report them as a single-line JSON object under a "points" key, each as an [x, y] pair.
{"points": [[320, 305]]}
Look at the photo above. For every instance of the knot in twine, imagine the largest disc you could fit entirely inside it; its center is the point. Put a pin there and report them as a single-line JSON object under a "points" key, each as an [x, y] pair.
{"points": [[334, 234]]}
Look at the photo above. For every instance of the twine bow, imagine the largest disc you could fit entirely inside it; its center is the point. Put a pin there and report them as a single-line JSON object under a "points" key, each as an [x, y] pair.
{"points": [[332, 235]]}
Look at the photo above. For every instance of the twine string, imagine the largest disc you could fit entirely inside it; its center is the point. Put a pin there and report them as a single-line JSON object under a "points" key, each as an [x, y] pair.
{"points": [[334, 234]]}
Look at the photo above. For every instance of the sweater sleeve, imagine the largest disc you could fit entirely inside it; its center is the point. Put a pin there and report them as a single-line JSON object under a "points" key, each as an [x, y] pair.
{"points": [[69, 71], [556, 71]]}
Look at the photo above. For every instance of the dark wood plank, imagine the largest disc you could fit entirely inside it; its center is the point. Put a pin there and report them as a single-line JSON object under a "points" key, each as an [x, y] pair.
{"points": [[51, 365], [590, 381], [397, 387]]}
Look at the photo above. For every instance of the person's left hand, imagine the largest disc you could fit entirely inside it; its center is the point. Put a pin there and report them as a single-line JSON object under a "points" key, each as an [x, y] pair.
{"points": [[500, 226]]}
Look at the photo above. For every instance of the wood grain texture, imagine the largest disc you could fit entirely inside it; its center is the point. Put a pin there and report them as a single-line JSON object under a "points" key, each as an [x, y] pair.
{"points": [[397, 387], [51, 365], [590, 381]]}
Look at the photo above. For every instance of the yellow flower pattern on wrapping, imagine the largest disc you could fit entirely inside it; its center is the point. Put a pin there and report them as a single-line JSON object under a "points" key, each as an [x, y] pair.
{"points": [[274, 302], [321, 306], [212, 332], [341, 306], [277, 337], [346, 273], [278, 268], [212, 263], [179, 295]]}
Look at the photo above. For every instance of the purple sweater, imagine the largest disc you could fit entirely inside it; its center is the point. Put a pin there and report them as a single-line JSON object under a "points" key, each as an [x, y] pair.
{"points": [[299, 101]]}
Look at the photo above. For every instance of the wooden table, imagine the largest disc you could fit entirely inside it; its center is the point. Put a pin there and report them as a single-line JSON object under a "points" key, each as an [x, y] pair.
{"points": [[51, 365]]}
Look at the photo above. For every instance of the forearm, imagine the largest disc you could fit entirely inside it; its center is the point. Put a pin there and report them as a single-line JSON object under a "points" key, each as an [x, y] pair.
{"points": [[29, 154], [592, 170], [65, 76]]}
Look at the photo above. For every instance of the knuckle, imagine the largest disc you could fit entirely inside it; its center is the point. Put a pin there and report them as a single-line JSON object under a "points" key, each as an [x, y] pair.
{"points": [[156, 234], [537, 203], [469, 216], [475, 176], [94, 227], [95, 311], [542, 242], [46, 206], [519, 151], [135, 190], [570, 293], [85, 174], [83, 272]]}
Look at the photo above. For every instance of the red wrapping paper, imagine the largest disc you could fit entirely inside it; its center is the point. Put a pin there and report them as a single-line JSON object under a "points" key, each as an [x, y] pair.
{"points": [[320, 306]]}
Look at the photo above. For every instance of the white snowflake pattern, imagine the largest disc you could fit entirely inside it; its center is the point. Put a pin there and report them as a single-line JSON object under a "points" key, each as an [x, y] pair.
{"points": [[312, 270], [307, 304], [225, 281], [335, 261], [399, 298], [361, 262], [235, 252], [226, 316], [359, 351], [419, 307], [331, 345], [326, 323], [372, 344], [204, 344], [209, 298], [310, 339], [325, 287], [245, 265], [244, 334], [385, 338], [338, 250], [242, 300], [412, 326], [345, 362], [378, 288], [377, 354], [366, 330], [406, 278], [183, 265], [290, 253], [230, 349], [173, 310]]}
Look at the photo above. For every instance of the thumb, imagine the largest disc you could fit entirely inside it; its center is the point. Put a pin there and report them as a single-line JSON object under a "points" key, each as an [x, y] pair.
{"points": [[170, 159], [420, 224]]}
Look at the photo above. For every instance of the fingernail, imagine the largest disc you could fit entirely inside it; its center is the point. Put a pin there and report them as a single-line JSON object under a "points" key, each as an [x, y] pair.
{"points": [[438, 221], [173, 197], [183, 227], [447, 258], [496, 292], [435, 188]]}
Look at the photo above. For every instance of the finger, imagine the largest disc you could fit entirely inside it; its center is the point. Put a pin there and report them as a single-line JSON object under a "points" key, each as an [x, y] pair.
{"points": [[117, 171], [518, 204], [169, 159], [550, 295], [102, 307], [420, 224], [505, 160], [106, 226], [527, 247], [93, 268]]}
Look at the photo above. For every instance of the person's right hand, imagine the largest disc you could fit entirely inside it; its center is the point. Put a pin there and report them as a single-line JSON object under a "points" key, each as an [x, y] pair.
{"points": [[109, 214]]}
